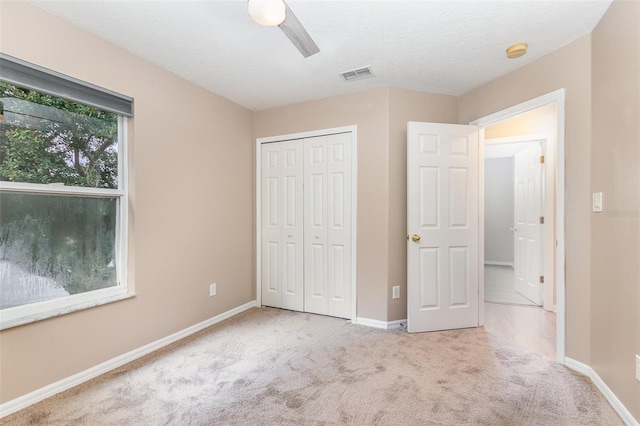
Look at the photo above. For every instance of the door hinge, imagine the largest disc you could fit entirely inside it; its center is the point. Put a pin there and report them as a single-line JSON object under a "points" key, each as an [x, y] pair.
{"points": [[541, 220], [542, 159], [541, 279]]}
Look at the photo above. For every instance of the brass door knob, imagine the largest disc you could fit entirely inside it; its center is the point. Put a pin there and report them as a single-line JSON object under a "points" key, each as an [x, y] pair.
{"points": [[415, 238]]}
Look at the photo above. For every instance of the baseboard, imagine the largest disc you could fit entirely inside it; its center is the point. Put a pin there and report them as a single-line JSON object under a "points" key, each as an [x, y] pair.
{"points": [[489, 262], [385, 325], [93, 372], [603, 388]]}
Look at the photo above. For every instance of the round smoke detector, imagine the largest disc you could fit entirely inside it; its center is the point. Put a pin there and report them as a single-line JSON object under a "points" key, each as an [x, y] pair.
{"points": [[516, 50]]}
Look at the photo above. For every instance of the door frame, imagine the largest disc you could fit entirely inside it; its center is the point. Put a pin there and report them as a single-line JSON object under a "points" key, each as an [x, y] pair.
{"points": [[557, 97], [354, 198], [548, 189]]}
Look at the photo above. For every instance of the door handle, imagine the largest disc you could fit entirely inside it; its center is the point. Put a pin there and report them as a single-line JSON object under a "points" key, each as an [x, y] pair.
{"points": [[415, 238]]}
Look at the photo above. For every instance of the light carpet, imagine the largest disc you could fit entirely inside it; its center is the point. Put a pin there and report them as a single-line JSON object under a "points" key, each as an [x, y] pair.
{"points": [[269, 366], [499, 288]]}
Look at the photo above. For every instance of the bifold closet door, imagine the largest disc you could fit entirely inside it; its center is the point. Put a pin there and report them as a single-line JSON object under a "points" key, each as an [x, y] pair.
{"points": [[327, 225], [282, 225]]}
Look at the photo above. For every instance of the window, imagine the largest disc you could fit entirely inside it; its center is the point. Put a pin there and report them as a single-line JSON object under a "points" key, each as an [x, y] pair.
{"points": [[63, 197]]}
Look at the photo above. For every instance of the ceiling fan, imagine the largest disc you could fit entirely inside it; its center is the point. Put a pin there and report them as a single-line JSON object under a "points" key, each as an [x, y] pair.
{"points": [[273, 13]]}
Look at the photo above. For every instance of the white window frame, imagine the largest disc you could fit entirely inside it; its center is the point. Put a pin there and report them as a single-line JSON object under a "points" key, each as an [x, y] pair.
{"points": [[24, 314]]}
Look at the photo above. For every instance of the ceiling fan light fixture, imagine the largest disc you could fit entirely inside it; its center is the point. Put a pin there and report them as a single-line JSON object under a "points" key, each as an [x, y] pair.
{"points": [[517, 50], [269, 13]]}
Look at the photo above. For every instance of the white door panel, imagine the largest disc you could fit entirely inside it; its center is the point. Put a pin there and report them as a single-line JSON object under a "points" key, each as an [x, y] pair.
{"points": [[306, 224], [339, 232], [282, 231], [442, 203], [327, 237], [527, 229]]}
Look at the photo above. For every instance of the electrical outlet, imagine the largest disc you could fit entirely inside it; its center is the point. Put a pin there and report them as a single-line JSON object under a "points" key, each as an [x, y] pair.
{"points": [[396, 292], [638, 368], [212, 289]]}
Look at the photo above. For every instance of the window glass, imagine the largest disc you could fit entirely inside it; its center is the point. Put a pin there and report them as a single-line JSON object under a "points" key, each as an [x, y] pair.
{"points": [[54, 246], [60, 203], [44, 139]]}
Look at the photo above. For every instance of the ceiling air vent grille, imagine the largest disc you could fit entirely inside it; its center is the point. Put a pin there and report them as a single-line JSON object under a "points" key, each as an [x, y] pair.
{"points": [[357, 74]]}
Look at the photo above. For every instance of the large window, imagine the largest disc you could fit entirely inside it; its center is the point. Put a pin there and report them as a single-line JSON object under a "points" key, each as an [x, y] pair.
{"points": [[63, 198]]}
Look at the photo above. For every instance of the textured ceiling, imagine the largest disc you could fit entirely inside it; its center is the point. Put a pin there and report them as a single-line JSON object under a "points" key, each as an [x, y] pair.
{"points": [[446, 47]]}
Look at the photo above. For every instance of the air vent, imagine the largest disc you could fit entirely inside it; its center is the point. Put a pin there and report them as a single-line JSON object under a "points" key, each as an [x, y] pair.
{"points": [[357, 74]]}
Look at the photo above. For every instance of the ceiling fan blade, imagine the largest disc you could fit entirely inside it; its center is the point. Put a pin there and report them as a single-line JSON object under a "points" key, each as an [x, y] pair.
{"points": [[298, 35]]}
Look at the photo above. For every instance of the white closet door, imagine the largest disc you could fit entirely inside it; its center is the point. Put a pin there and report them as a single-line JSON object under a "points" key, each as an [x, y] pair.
{"points": [[327, 227], [282, 230]]}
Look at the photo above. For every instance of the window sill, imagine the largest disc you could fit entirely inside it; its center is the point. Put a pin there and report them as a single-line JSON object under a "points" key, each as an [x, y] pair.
{"points": [[15, 320]]}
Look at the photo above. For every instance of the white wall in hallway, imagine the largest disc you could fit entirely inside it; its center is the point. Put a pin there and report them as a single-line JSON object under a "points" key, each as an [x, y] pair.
{"points": [[498, 208]]}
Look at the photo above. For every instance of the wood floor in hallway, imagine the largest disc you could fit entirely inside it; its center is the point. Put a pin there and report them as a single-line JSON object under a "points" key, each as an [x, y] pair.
{"points": [[529, 327]]}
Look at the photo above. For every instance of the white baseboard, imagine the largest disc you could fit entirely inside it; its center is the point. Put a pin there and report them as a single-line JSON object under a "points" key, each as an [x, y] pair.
{"points": [[385, 325], [490, 262], [93, 372], [603, 388]]}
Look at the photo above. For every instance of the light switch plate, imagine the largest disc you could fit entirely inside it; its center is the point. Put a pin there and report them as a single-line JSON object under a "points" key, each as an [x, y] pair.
{"points": [[396, 292], [597, 201], [638, 368]]}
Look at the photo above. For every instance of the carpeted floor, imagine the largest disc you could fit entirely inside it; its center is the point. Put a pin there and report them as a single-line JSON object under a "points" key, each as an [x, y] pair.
{"points": [[498, 286], [268, 366]]}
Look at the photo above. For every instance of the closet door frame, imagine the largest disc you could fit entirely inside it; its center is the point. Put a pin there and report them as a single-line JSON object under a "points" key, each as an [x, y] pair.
{"points": [[354, 198]]}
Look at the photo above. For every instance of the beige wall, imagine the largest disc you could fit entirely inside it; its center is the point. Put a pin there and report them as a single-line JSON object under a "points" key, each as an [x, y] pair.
{"points": [[192, 214], [405, 106], [615, 171], [568, 68]]}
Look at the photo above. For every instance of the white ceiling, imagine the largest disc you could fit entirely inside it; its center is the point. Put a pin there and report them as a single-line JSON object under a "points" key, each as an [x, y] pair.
{"points": [[447, 47]]}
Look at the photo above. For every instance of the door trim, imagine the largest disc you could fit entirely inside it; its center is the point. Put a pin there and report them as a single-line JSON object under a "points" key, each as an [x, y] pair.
{"points": [[557, 97], [354, 198]]}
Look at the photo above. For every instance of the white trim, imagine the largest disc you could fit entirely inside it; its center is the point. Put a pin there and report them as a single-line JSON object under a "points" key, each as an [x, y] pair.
{"points": [[32, 312], [59, 189], [558, 97], [603, 388], [354, 194], [93, 372], [490, 262], [384, 325], [481, 313]]}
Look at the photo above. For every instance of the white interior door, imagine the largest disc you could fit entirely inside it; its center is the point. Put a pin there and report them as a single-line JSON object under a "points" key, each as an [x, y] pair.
{"points": [[527, 229], [327, 229], [442, 220], [282, 225]]}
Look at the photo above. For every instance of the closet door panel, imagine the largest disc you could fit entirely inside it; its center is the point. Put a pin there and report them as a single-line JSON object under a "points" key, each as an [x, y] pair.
{"points": [[282, 231], [339, 266], [306, 225], [292, 226], [315, 226]]}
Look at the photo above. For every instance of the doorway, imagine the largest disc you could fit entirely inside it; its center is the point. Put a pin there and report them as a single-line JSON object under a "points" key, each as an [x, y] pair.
{"points": [[518, 210], [539, 329]]}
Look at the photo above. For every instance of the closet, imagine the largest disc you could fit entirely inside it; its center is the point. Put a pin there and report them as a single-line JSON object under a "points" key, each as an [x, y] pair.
{"points": [[306, 221]]}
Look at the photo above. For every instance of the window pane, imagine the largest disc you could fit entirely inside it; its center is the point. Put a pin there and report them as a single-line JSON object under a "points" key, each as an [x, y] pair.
{"points": [[52, 246], [44, 139]]}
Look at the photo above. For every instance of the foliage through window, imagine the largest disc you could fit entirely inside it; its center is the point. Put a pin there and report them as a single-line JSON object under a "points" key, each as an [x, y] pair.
{"points": [[60, 197]]}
